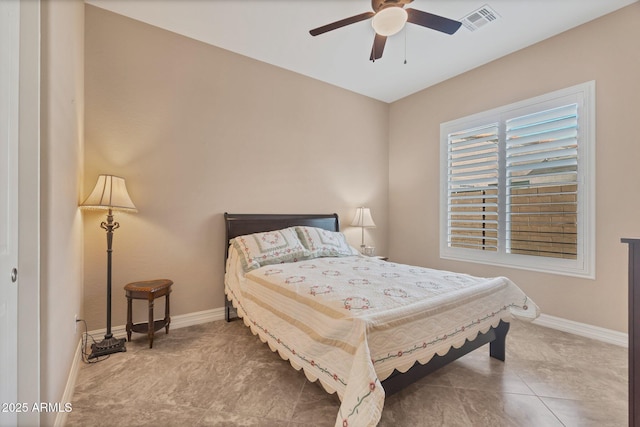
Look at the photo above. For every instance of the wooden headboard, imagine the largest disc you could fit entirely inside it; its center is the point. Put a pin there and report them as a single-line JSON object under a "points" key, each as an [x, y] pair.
{"points": [[241, 224]]}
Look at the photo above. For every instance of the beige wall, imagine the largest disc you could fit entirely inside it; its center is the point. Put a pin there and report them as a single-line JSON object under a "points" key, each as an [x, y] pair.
{"points": [[197, 131], [62, 106], [604, 50]]}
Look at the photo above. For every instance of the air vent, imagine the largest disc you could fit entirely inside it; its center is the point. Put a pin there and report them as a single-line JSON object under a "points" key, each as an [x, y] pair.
{"points": [[479, 18]]}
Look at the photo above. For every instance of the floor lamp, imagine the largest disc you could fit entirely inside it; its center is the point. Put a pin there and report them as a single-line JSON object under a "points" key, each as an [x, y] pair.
{"points": [[110, 193]]}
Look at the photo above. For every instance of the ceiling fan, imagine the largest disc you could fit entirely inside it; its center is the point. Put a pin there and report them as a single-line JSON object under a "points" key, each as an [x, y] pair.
{"points": [[389, 17]]}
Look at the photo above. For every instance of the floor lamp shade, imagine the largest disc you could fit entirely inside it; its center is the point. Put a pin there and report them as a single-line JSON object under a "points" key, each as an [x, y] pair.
{"points": [[109, 193]]}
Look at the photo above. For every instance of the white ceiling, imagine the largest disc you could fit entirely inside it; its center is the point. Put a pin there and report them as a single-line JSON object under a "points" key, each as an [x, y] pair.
{"points": [[277, 32]]}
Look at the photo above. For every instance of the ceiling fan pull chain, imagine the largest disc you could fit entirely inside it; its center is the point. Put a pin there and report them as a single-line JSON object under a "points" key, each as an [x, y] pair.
{"points": [[405, 44], [373, 50]]}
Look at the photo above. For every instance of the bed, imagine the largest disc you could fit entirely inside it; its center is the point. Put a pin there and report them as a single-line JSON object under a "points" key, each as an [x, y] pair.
{"points": [[364, 328]]}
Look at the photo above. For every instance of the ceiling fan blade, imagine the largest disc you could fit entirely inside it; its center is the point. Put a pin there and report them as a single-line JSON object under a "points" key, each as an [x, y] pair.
{"points": [[341, 23], [378, 47], [435, 22]]}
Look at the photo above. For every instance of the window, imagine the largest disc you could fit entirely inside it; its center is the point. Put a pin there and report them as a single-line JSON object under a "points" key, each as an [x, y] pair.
{"points": [[518, 183]]}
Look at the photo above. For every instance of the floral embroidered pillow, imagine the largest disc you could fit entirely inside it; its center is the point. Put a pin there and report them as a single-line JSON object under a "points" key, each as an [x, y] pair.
{"points": [[271, 247], [320, 242]]}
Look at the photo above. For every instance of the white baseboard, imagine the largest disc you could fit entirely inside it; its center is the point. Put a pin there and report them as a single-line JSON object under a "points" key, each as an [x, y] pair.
{"points": [[177, 322], [584, 330], [67, 396]]}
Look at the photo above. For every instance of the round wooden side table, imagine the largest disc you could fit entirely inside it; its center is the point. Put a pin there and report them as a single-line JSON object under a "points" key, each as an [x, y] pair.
{"points": [[148, 290]]}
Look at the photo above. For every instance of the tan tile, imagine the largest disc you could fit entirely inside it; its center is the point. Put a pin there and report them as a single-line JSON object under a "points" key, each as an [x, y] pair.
{"points": [[266, 389], [107, 412], [594, 413], [221, 419], [424, 406], [315, 407], [505, 409], [220, 374], [485, 373], [567, 382]]}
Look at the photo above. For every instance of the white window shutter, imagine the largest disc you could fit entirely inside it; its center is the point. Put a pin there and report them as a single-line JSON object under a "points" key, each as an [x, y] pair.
{"points": [[542, 183], [518, 184], [472, 212]]}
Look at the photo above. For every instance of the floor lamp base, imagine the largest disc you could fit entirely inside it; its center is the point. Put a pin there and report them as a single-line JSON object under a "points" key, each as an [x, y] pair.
{"points": [[107, 346]]}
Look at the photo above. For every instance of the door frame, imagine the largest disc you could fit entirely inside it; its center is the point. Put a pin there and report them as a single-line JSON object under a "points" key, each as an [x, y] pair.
{"points": [[29, 211], [9, 118]]}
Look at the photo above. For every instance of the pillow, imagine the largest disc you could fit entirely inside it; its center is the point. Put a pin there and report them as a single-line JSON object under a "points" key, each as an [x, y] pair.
{"points": [[322, 242], [271, 247]]}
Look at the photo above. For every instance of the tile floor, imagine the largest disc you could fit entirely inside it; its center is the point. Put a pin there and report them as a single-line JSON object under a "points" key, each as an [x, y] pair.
{"points": [[218, 374]]}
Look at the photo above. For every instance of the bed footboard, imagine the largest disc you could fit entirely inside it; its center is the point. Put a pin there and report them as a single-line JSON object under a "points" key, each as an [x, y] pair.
{"points": [[495, 336], [497, 347]]}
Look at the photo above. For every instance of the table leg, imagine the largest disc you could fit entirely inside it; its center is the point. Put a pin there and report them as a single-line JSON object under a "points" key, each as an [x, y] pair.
{"points": [[129, 319], [151, 325], [167, 317]]}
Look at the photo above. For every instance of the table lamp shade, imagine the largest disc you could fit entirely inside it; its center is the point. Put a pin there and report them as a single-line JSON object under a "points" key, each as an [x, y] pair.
{"points": [[363, 218], [110, 192]]}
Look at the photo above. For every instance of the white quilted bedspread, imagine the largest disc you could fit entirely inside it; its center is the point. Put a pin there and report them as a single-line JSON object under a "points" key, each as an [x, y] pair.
{"points": [[349, 322]]}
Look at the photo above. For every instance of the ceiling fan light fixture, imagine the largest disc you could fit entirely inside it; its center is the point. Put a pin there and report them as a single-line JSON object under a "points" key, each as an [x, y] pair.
{"points": [[389, 21]]}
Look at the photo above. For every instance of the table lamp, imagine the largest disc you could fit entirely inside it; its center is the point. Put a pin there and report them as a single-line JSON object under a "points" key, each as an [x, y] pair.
{"points": [[363, 220]]}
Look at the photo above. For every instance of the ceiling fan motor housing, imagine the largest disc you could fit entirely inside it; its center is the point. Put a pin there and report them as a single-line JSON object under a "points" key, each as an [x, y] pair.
{"points": [[378, 5]]}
